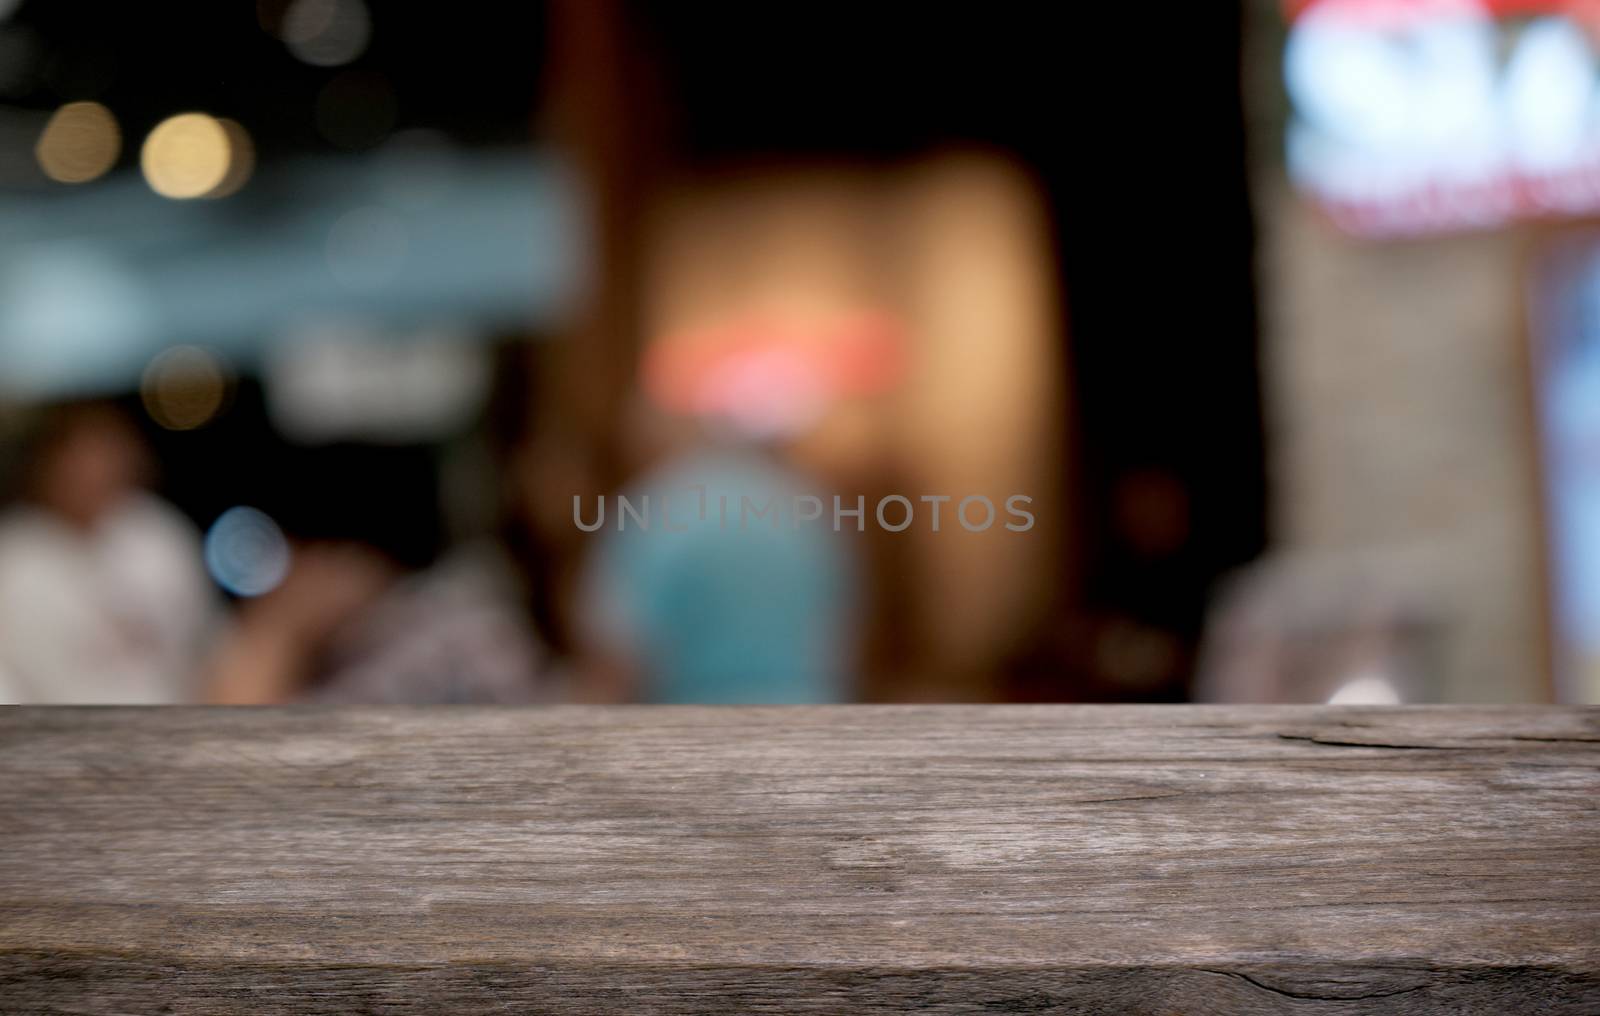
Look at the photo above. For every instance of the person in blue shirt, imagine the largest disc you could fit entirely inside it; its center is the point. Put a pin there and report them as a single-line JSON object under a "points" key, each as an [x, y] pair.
{"points": [[727, 596]]}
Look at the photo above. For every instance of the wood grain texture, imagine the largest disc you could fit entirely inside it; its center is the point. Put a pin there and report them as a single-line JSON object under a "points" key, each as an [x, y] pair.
{"points": [[1057, 859]]}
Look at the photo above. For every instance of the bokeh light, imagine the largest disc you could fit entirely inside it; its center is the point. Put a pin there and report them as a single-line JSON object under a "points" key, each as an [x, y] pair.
{"points": [[1366, 688], [184, 388], [187, 156], [79, 143], [246, 553], [767, 375], [326, 33], [241, 159]]}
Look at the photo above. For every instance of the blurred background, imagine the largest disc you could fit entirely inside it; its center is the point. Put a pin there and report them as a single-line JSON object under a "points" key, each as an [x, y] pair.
{"points": [[327, 327]]}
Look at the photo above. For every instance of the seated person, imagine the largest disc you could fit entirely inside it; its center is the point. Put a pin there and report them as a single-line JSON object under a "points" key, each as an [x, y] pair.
{"points": [[104, 598]]}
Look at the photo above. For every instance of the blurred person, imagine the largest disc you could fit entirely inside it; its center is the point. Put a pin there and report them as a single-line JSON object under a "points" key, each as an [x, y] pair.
{"points": [[922, 293], [703, 607], [104, 597], [350, 625], [346, 626]]}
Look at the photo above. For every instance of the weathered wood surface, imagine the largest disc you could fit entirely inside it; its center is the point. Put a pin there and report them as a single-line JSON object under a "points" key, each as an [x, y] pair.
{"points": [[818, 860]]}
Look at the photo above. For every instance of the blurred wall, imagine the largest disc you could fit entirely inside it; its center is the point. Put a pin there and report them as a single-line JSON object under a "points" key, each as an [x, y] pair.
{"points": [[1402, 456], [1398, 399]]}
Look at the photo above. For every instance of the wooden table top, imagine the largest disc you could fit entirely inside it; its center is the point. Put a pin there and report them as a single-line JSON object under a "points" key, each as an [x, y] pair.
{"points": [[1008, 859]]}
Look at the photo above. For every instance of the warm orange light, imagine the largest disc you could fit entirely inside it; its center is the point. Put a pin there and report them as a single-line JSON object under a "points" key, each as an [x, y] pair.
{"points": [[79, 143], [184, 388], [187, 156], [241, 160]]}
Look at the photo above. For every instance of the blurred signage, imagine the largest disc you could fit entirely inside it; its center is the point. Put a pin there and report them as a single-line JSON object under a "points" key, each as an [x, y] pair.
{"points": [[1425, 116], [94, 282]]}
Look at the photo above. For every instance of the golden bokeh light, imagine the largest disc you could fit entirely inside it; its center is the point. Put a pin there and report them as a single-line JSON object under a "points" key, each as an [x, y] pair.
{"points": [[241, 160], [184, 388], [187, 156], [79, 143]]}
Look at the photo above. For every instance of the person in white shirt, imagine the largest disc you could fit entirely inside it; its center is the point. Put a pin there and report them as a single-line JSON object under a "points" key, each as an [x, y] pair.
{"points": [[104, 597]]}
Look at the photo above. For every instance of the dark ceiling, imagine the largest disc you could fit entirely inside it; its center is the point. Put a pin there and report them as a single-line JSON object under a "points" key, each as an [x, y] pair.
{"points": [[469, 68]]}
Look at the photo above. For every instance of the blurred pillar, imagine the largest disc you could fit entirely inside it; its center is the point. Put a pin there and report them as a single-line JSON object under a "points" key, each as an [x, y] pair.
{"points": [[603, 112]]}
